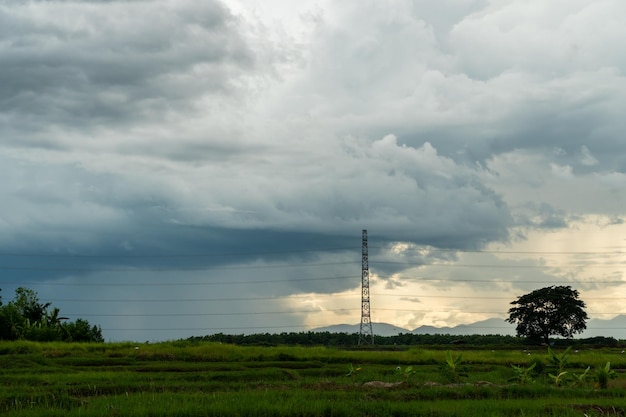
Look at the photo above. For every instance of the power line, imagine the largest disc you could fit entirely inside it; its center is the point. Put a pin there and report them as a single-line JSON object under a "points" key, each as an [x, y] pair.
{"points": [[153, 284], [506, 281], [507, 252], [406, 265], [295, 251], [309, 326], [178, 284], [184, 300], [469, 297], [499, 266], [254, 313], [251, 313], [170, 256], [168, 269], [283, 266]]}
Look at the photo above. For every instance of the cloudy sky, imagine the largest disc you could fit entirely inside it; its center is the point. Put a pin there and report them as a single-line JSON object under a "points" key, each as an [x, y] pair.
{"points": [[177, 168]]}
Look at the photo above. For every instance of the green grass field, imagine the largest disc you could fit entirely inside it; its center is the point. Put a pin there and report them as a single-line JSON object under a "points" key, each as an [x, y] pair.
{"points": [[211, 379]]}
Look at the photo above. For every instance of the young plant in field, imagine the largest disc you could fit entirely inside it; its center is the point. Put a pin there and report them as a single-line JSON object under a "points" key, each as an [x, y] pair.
{"points": [[523, 375], [451, 369], [352, 371], [603, 374], [558, 362], [559, 378], [582, 379], [405, 373]]}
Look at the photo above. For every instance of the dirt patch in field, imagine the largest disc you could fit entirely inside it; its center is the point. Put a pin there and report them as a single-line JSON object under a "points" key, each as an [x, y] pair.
{"points": [[599, 410], [381, 384]]}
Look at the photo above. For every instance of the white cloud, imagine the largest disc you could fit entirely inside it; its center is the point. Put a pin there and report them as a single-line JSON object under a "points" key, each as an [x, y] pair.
{"points": [[547, 38], [587, 158]]}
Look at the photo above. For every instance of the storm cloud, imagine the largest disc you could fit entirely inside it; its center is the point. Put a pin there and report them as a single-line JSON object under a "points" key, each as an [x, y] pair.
{"points": [[150, 143]]}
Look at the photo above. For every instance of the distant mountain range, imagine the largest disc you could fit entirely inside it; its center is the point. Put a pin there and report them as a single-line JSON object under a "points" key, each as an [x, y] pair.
{"points": [[615, 327]]}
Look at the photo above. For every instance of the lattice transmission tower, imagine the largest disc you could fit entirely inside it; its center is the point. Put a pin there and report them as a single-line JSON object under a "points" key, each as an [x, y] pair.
{"points": [[366, 334]]}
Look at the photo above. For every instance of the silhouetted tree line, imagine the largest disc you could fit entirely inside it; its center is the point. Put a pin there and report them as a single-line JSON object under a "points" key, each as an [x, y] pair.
{"points": [[350, 340], [26, 318]]}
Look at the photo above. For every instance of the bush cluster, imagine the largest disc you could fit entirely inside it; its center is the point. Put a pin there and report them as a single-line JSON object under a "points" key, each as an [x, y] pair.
{"points": [[26, 318]]}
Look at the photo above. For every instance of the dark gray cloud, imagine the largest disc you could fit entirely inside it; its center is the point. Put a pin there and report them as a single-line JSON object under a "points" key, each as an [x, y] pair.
{"points": [[116, 62]]}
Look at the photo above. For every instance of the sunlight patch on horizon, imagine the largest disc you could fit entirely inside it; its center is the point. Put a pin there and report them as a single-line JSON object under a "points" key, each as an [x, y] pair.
{"points": [[479, 285]]}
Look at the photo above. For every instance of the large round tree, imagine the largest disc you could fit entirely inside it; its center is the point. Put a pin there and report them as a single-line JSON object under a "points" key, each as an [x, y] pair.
{"points": [[554, 310]]}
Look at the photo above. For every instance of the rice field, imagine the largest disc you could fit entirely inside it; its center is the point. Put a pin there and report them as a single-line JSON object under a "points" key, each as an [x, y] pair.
{"points": [[211, 379]]}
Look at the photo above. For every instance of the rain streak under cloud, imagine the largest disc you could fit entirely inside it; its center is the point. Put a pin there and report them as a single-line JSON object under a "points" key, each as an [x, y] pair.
{"points": [[179, 168]]}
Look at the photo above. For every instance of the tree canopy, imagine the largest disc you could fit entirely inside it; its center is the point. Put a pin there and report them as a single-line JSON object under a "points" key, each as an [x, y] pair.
{"points": [[554, 310], [25, 317]]}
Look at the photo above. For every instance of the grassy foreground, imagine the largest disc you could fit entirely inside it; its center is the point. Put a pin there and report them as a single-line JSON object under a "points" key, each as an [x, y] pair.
{"points": [[210, 379]]}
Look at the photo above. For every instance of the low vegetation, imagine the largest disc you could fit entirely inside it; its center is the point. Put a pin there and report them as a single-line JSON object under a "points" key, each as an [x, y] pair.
{"points": [[197, 378]]}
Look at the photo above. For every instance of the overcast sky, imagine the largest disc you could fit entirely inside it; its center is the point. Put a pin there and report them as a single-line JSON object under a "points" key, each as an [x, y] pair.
{"points": [[179, 168]]}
